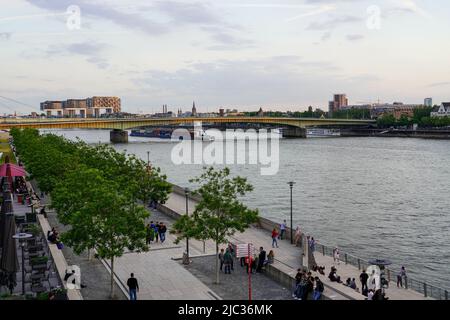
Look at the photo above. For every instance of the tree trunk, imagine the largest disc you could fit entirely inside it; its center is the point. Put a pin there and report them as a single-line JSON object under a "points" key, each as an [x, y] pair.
{"points": [[112, 278], [217, 263]]}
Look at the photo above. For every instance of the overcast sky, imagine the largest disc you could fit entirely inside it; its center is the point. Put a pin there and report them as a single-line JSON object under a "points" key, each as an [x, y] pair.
{"points": [[280, 54]]}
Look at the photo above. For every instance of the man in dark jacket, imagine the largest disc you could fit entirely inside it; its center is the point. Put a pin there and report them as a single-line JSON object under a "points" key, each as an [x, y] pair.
{"points": [[133, 287], [261, 259]]}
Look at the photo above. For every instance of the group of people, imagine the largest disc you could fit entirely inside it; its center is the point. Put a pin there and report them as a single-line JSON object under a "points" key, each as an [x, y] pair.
{"points": [[156, 232], [253, 265], [53, 237], [305, 284]]}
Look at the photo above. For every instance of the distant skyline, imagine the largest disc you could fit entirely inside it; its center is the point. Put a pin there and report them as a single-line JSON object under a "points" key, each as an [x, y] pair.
{"points": [[245, 54]]}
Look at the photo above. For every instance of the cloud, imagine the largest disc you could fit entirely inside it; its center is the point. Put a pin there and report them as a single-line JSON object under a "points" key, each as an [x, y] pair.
{"points": [[91, 51], [354, 37], [272, 80], [439, 84], [333, 22], [5, 35], [129, 20]]}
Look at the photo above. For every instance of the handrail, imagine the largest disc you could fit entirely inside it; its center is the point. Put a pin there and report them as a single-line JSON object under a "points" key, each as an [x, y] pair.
{"points": [[428, 290]]}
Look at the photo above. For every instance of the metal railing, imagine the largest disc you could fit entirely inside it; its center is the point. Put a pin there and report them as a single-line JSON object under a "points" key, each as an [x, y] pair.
{"points": [[424, 288]]}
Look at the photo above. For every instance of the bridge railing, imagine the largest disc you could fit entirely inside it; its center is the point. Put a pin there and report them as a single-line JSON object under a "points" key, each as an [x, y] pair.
{"points": [[427, 289]]}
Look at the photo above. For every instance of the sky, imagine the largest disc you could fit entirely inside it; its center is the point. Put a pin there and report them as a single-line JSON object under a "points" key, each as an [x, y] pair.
{"points": [[245, 54]]}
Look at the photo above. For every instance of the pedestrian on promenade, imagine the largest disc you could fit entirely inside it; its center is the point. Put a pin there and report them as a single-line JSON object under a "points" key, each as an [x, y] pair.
{"points": [[312, 244], [227, 261], [336, 255], [231, 249], [162, 231], [133, 287], [400, 276], [274, 237], [318, 290], [363, 277], [298, 237], [261, 259], [221, 258], [298, 279], [270, 257], [147, 234], [282, 230], [156, 227]]}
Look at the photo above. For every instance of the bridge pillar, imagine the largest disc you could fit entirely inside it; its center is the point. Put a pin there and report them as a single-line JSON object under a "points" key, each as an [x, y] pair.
{"points": [[118, 136], [294, 132]]}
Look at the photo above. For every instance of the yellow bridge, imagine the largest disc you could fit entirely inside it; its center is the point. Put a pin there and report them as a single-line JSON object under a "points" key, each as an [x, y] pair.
{"points": [[295, 125]]}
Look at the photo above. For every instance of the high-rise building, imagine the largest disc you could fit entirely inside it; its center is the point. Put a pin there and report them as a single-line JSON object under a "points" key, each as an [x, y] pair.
{"points": [[82, 108], [339, 101], [428, 102]]}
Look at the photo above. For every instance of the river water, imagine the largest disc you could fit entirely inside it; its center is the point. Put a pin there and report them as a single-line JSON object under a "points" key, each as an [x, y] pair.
{"points": [[371, 197]]}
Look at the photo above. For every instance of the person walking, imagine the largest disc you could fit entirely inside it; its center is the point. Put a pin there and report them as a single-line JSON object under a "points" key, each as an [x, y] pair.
{"points": [[400, 276], [336, 255], [318, 289], [363, 277], [162, 232], [312, 244], [148, 230], [221, 258], [282, 230], [156, 228], [133, 287], [274, 237], [297, 237], [227, 261]]}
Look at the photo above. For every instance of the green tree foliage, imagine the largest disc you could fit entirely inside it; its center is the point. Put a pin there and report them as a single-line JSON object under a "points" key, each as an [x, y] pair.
{"points": [[94, 190], [219, 213]]}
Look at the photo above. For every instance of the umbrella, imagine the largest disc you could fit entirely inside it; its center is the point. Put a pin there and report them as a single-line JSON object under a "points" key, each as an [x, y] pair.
{"points": [[12, 170], [6, 208], [9, 262]]}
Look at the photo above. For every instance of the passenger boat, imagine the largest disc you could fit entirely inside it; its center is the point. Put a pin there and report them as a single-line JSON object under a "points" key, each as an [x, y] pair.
{"points": [[322, 133]]}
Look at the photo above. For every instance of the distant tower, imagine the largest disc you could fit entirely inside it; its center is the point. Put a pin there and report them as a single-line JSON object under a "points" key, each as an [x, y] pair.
{"points": [[260, 112], [194, 110]]}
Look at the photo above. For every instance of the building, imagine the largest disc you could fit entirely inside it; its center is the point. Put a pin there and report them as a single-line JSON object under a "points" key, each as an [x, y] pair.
{"points": [[260, 112], [444, 110], [82, 108], [428, 102], [52, 108], [194, 110], [339, 101]]}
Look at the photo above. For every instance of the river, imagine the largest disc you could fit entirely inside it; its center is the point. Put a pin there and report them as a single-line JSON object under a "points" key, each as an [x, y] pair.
{"points": [[371, 197]]}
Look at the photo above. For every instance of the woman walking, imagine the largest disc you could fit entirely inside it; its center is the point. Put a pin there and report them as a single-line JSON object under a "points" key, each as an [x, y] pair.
{"points": [[336, 255], [274, 237]]}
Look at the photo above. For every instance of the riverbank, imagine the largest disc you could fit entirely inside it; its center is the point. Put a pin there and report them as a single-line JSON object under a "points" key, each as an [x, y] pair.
{"points": [[398, 133]]}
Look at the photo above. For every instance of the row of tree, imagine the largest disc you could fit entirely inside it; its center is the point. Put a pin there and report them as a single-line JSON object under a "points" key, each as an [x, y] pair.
{"points": [[421, 117], [95, 190]]}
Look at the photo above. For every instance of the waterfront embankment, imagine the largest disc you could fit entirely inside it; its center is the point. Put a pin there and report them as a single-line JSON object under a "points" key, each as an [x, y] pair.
{"points": [[398, 133]]}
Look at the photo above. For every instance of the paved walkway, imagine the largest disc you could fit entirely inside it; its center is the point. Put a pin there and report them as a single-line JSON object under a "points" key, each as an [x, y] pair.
{"points": [[288, 259]]}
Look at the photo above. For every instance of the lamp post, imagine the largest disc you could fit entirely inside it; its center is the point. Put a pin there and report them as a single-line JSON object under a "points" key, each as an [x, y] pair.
{"points": [[186, 193], [291, 185], [21, 237]]}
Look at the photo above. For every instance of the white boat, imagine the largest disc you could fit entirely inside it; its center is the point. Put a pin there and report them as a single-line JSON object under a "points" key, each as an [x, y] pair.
{"points": [[202, 135], [322, 133]]}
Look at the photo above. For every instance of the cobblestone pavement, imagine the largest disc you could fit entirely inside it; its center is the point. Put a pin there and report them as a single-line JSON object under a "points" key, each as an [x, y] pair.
{"points": [[234, 286]]}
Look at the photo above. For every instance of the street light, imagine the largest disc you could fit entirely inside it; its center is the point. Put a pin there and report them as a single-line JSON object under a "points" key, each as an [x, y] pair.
{"points": [[21, 237], [186, 193], [291, 185]]}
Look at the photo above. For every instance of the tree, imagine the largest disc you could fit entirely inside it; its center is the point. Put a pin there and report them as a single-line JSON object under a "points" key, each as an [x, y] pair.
{"points": [[219, 213], [99, 216]]}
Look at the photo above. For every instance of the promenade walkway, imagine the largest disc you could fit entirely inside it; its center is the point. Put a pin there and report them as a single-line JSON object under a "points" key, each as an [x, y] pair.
{"points": [[288, 259]]}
